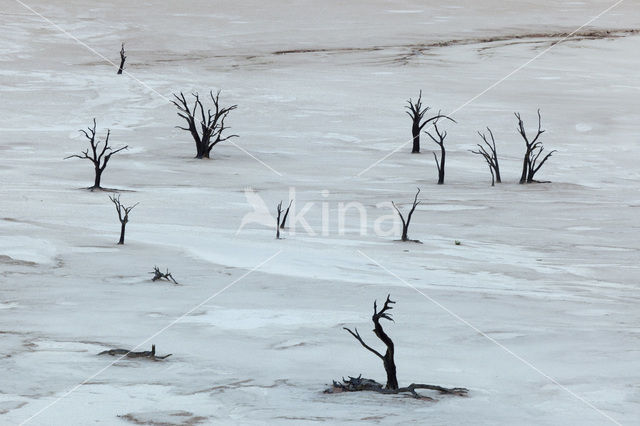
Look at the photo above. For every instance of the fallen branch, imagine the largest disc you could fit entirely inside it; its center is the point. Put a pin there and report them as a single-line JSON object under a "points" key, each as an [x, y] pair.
{"points": [[130, 354], [358, 384], [157, 275]]}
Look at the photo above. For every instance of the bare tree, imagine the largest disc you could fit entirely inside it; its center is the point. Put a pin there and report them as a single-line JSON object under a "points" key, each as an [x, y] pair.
{"points": [[532, 161], [405, 223], [490, 155], [122, 59], [286, 214], [391, 387], [97, 154], [123, 214], [211, 123], [416, 112], [387, 358], [280, 223], [441, 135]]}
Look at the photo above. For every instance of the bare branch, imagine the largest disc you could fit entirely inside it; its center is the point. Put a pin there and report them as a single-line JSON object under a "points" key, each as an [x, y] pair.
{"points": [[357, 336]]}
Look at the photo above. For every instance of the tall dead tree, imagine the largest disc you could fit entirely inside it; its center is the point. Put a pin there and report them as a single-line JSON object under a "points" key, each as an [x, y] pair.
{"points": [[417, 114], [387, 358], [122, 59], [123, 214], [533, 157], [439, 139], [490, 154], [405, 223], [206, 128], [355, 384], [97, 154]]}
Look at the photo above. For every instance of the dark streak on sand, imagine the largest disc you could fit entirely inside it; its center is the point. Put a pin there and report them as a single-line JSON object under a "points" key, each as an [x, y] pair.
{"points": [[419, 48]]}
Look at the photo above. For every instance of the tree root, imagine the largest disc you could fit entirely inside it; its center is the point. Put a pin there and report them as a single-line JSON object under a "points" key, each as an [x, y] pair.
{"points": [[129, 354], [358, 384]]}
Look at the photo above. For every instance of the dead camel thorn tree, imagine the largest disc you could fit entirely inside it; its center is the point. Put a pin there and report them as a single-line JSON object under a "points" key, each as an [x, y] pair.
{"points": [[441, 136], [490, 155], [417, 113], [123, 214], [405, 223], [286, 214], [122, 59], [280, 223], [211, 124], [355, 384], [388, 357], [532, 162], [98, 155]]}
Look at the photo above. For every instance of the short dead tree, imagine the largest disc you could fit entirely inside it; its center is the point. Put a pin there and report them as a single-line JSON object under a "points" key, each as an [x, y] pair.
{"points": [[533, 157], [159, 275], [405, 223], [490, 154], [123, 214], [355, 384], [206, 128], [280, 220], [123, 58], [99, 154], [417, 114], [286, 214], [130, 354], [439, 138]]}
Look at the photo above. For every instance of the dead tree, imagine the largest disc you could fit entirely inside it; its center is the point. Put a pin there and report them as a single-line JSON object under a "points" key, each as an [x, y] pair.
{"points": [[130, 354], [158, 275], [416, 112], [284, 218], [122, 59], [405, 223], [123, 214], [355, 384], [441, 135], [532, 161], [211, 124], [97, 154], [280, 223], [490, 155], [387, 358]]}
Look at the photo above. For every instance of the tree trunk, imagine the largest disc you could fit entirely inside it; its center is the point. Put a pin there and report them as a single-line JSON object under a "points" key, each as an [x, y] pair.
{"points": [[96, 182], [207, 151], [124, 224], [498, 179], [525, 168], [441, 168], [390, 368], [199, 150], [415, 130], [405, 231]]}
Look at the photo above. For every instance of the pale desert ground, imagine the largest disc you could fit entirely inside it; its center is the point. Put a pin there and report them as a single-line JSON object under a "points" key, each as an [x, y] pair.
{"points": [[535, 312]]}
